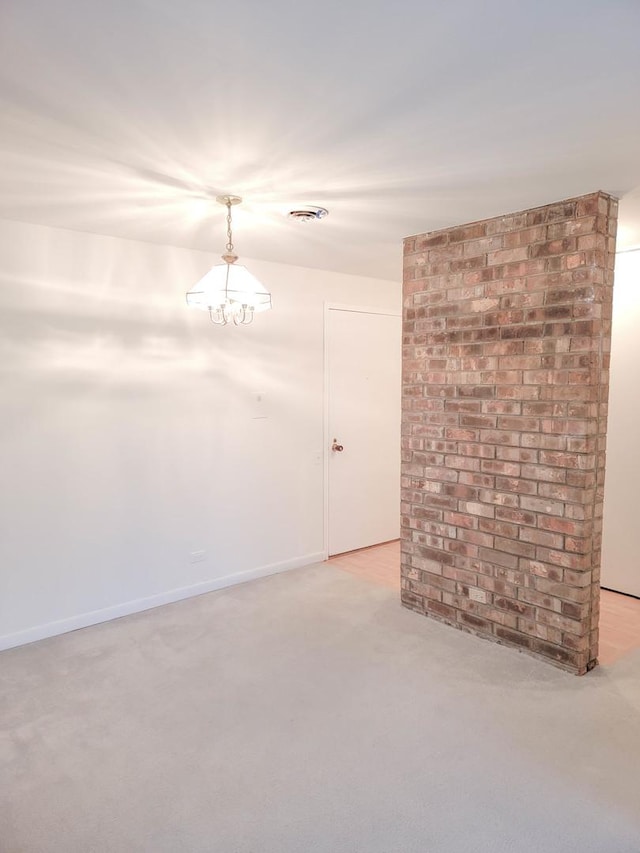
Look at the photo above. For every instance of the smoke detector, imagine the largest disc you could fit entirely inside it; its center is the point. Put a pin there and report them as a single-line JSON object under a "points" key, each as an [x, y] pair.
{"points": [[308, 214]]}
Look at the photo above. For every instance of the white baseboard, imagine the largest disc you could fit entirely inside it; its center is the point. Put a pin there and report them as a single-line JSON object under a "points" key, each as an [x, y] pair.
{"points": [[94, 617]]}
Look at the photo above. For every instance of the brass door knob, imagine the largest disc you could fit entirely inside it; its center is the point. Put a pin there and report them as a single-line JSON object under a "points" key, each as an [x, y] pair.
{"points": [[337, 448]]}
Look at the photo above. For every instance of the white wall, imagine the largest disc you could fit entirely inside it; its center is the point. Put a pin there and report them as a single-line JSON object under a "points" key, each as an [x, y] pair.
{"points": [[621, 534], [128, 438]]}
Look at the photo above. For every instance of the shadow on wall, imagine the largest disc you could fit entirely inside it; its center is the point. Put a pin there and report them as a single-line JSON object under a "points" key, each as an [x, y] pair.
{"points": [[74, 334]]}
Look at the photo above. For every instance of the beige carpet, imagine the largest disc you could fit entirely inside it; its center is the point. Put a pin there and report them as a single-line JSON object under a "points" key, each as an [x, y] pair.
{"points": [[309, 712]]}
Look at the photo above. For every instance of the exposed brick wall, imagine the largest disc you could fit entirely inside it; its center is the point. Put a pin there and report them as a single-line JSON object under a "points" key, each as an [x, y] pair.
{"points": [[507, 327]]}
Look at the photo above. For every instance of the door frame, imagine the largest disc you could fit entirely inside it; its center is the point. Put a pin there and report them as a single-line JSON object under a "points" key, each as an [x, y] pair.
{"points": [[328, 307]]}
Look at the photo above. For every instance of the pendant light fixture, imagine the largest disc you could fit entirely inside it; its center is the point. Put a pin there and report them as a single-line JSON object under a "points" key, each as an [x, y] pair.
{"points": [[228, 291]]}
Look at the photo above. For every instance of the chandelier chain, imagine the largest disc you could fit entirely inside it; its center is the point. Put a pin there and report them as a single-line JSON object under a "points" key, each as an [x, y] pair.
{"points": [[229, 245]]}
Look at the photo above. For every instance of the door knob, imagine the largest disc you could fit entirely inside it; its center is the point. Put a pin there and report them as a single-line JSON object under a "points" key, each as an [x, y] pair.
{"points": [[338, 448]]}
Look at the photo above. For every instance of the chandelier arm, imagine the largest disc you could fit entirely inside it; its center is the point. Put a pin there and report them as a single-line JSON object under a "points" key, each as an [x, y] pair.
{"points": [[220, 313]]}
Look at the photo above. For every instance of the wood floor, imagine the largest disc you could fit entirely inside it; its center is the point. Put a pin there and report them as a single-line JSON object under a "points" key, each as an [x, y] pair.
{"points": [[619, 614]]}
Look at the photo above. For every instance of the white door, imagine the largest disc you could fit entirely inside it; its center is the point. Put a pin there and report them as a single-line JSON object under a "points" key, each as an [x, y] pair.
{"points": [[621, 533], [363, 397]]}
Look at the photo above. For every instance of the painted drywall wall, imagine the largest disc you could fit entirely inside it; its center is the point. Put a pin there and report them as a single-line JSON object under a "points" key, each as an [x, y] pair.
{"points": [[130, 434], [620, 542]]}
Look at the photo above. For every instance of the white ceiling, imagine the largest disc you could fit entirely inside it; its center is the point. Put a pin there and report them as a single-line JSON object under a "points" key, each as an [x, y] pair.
{"points": [[125, 117]]}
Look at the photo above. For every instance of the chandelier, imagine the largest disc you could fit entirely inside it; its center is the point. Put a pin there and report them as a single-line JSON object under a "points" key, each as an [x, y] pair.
{"points": [[229, 292]]}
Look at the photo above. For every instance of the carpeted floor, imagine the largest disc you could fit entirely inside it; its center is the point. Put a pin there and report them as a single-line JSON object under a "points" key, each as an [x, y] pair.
{"points": [[308, 712]]}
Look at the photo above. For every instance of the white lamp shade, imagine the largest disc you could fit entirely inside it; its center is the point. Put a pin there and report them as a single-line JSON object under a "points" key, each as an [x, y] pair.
{"points": [[231, 285]]}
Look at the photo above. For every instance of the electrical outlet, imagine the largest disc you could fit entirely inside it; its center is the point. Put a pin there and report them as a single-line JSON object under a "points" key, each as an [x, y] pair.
{"points": [[197, 556]]}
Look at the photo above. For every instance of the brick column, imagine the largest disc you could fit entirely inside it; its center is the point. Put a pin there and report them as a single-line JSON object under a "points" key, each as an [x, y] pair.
{"points": [[507, 328]]}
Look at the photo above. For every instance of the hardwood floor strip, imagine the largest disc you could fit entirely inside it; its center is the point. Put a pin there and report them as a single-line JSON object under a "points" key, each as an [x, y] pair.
{"points": [[619, 614]]}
